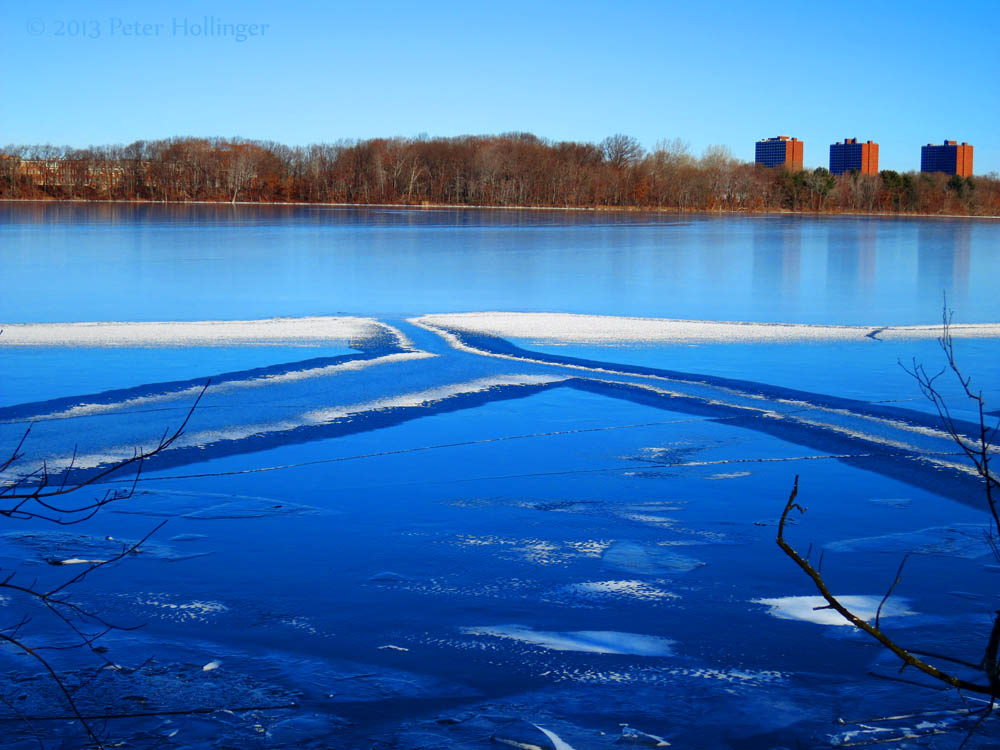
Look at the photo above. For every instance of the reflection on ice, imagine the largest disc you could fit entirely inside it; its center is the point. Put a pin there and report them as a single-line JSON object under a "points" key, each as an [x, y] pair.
{"points": [[814, 608], [586, 641]]}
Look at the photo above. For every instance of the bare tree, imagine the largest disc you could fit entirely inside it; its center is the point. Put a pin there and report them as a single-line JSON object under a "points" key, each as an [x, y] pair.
{"points": [[621, 150]]}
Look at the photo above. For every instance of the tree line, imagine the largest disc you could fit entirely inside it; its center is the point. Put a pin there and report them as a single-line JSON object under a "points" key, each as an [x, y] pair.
{"points": [[511, 169]]}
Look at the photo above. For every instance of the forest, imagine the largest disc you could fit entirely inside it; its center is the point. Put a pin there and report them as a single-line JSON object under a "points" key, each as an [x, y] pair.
{"points": [[511, 169]]}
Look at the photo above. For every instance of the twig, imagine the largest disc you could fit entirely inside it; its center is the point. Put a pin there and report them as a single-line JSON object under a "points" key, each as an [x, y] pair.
{"points": [[899, 576]]}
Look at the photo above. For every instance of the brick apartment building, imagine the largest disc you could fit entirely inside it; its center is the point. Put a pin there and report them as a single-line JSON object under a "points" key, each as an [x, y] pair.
{"points": [[950, 158], [64, 173], [851, 155], [780, 151]]}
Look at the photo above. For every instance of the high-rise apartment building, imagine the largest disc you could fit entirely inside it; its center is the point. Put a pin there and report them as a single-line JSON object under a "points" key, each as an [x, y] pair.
{"points": [[780, 151], [851, 155], [950, 157]]}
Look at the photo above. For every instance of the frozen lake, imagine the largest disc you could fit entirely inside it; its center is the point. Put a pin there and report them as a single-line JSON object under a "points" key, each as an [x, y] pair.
{"points": [[124, 262], [393, 527]]}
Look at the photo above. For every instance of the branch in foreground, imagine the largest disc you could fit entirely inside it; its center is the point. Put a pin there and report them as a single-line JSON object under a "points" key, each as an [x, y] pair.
{"points": [[22, 494], [907, 657]]}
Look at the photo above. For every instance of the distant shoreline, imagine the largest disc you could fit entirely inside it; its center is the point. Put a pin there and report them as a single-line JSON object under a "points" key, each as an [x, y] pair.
{"points": [[575, 209]]}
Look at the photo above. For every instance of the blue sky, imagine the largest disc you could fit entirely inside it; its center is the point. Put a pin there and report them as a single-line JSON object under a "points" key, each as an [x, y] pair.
{"points": [[708, 72]]}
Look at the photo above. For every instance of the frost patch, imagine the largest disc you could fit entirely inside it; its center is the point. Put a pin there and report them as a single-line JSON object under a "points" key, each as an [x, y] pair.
{"points": [[628, 589], [540, 551], [161, 606], [729, 475]]}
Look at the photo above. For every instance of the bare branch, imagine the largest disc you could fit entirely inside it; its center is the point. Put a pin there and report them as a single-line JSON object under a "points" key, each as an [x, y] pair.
{"points": [[905, 656], [40, 491], [29, 496]]}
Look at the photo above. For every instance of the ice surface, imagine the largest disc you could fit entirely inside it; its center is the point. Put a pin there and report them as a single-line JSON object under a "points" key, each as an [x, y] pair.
{"points": [[604, 329], [207, 506], [68, 548], [892, 502], [586, 641], [805, 608], [959, 540], [634, 737], [238, 431], [581, 574], [230, 386], [160, 685]]}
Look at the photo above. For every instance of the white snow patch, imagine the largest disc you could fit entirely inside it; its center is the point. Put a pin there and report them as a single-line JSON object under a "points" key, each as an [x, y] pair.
{"points": [[310, 330], [604, 329], [728, 475], [554, 738], [805, 608], [431, 395]]}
